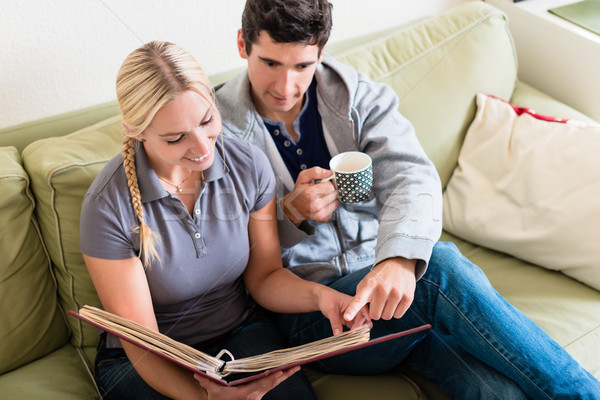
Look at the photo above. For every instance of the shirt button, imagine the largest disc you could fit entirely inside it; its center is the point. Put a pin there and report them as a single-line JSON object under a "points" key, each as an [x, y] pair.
{"points": [[287, 143], [197, 211], [299, 152], [303, 166], [197, 235], [276, 132]]}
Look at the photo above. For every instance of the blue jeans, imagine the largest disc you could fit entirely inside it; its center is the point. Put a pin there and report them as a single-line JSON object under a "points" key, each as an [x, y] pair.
{"points": [[480, 346], [117, 379]]}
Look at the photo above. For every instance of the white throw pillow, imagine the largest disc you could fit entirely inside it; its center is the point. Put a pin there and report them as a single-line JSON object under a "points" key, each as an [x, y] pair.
{"points": [[529, 187]]}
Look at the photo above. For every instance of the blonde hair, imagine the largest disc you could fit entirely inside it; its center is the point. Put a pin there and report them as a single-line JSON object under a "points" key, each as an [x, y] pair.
{"points": [[150, 77]]}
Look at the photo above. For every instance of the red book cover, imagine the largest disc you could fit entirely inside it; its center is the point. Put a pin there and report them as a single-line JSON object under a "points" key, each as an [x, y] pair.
{"points": [[217, 377]]}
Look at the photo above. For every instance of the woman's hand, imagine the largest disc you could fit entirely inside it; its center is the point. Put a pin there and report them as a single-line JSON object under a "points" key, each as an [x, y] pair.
{"points": [[333, 305], [254, 390]]}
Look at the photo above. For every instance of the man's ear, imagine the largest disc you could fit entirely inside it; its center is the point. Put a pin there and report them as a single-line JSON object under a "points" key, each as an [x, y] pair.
{"points": [[241, 44]]}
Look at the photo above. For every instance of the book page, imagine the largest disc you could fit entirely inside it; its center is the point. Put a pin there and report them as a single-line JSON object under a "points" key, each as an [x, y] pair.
{"points": [[197, 360], [152, 340], [296, 354]]}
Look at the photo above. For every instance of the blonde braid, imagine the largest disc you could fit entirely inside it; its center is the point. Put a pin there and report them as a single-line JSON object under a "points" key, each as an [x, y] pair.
{"points": [[148, 238], [149, 78]]}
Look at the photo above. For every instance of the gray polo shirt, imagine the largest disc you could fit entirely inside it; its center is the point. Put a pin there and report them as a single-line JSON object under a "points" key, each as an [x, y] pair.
{"points": [[197, 292]]}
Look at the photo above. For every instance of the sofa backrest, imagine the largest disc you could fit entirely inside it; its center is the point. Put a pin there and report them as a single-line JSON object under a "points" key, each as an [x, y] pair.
{"points": [[32, 324], [436, 67], [21, 135]]}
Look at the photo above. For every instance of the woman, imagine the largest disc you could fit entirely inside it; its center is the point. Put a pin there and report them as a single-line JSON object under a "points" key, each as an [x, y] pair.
{"points": [[179, 229]]}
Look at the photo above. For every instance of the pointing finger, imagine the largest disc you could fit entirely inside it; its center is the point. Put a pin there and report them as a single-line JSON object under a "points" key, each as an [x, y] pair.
{"points": [[358, 302]]}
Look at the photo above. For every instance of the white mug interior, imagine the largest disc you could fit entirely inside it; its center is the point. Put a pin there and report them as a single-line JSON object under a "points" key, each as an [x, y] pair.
{"points": [[350, 162]]}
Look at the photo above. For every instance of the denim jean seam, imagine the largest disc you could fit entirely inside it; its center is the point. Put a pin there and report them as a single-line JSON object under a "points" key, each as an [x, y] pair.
{"points": [[429, 373], [512, 365]]}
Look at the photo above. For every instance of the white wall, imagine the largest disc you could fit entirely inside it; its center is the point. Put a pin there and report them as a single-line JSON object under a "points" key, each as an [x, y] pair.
{"points": [[61, 55]]}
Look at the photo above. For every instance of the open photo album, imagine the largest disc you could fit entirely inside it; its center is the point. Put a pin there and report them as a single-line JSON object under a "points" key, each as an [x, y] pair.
{"points": [[217, 369]]}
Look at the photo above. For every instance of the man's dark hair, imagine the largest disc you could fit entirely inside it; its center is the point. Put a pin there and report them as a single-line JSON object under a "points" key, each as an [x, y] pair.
{"points": [[287, 21]]}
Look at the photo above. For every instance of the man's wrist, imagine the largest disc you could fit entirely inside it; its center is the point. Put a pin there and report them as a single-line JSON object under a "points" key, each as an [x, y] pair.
{"points": [[401, 262], [292, 216]]}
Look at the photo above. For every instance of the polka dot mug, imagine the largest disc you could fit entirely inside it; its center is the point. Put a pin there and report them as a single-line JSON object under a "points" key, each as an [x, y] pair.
{"points": [[352, 176]]}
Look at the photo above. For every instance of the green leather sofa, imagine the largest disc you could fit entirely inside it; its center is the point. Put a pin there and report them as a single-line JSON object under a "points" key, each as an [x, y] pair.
{"points": [[436, 66]]}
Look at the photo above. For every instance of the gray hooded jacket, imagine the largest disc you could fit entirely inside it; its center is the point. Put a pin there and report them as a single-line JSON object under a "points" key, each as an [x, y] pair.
{"points": [[403, 218]]}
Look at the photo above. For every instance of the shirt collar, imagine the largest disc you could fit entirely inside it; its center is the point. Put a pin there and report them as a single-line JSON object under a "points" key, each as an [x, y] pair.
{"points": [[308, 99], [219, 167]]}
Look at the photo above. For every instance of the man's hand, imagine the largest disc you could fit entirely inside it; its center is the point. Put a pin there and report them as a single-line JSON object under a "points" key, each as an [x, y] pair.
{"points": [[309, 200], [389, 289]]}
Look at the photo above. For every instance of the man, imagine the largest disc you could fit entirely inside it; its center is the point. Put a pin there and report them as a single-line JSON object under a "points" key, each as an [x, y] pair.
{"points": [[302, 107]]}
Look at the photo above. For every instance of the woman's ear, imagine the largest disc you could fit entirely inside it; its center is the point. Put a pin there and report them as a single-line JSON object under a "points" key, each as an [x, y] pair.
{"points": [[126, 128], [130, 133]]}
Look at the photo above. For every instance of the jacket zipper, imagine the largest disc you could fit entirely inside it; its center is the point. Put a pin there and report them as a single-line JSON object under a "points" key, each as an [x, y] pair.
{"points": [[342, 250], [336, 224]]}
